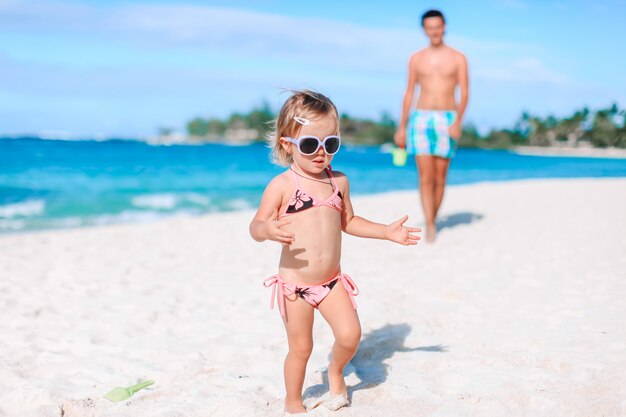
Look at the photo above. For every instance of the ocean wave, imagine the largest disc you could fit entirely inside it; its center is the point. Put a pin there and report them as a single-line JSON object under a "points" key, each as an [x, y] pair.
{"points": [[128, 216], [11, 225], [198, 199], [169, 201], [165, 201], [22, 209], [238, 204]]}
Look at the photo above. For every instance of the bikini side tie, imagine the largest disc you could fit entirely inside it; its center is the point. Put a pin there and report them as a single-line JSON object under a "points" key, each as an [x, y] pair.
{"points": [[350, 287], [287, 289]]}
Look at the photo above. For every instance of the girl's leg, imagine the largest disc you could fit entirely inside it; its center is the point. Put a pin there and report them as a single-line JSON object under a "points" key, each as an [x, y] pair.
{"points": [[299, 326], [338, 311]]}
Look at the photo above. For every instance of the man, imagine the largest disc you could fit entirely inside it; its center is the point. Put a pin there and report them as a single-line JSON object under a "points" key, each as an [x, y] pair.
{"points": [[437, 120]]}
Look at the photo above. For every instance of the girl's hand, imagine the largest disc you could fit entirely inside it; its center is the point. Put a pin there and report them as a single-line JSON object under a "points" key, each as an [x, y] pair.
{"points": [[397, 232], [273, 229]]}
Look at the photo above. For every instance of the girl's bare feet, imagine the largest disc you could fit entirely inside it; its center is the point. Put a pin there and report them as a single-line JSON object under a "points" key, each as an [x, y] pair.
{"points": [[294, 407], [338, 395]]}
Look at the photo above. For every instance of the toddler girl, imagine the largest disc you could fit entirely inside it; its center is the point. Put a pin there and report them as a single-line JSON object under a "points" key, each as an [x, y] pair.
{"points": [[305, 209]]}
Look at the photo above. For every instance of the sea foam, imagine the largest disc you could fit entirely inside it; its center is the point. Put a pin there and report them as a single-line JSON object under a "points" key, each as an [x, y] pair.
{"points": [[22, 209]]}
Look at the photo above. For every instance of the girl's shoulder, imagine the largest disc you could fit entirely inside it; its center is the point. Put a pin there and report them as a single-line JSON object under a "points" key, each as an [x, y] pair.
{"points": [[281, 181], [342, 181], [340, 177]]}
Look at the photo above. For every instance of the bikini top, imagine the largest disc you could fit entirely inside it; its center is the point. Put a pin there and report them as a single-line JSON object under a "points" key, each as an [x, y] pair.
{"points": [[300, 200]]}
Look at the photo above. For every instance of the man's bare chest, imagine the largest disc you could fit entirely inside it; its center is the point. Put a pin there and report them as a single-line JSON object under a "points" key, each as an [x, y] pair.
{"points": [[436, 67]]}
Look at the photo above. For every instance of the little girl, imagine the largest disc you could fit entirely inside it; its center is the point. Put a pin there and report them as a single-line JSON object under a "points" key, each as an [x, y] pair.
{"points": [[305, 209]]}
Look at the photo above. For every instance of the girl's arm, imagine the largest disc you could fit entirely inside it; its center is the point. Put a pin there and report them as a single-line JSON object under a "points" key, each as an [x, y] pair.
{"points": [[265, 224], [361, 227]]}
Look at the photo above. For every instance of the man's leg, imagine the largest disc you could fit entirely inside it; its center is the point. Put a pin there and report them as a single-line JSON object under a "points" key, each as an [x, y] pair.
{"points": [[441, 174], [426, 168]]}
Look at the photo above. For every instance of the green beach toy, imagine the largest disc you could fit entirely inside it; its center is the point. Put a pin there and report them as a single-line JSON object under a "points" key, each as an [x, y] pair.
{"points": [[399, 156], [121, 394]]}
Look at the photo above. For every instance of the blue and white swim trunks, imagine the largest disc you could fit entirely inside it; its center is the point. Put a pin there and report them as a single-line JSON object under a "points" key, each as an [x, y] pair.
{"points": [[427, 133]]}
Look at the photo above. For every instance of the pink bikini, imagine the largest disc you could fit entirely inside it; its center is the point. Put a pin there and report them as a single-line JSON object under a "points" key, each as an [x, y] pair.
{"points": [[314, 294], [300, 200]]}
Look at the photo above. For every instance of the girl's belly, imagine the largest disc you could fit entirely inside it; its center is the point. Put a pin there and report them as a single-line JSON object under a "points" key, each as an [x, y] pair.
{"points": [[315, 255]]}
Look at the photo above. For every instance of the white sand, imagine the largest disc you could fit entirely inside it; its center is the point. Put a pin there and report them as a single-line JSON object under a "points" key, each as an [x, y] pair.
{"points": [[517, 310]]}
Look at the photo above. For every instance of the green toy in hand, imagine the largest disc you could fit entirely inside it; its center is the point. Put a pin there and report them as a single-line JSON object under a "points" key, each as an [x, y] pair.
{"points": [[399, 156]]}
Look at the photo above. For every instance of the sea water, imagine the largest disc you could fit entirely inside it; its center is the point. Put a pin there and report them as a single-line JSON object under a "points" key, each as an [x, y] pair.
{"points": [[52, 184]]}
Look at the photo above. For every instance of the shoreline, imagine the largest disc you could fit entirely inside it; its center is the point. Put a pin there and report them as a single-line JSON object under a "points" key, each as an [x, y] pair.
{"points": [[549, 151], [609, 153], [176, 216]]}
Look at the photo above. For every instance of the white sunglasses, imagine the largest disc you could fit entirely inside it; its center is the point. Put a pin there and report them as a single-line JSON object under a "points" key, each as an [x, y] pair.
{"points": [[308, 145]]}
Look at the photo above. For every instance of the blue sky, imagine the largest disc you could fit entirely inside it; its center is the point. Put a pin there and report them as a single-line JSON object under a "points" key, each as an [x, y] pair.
{"points": [[126, 68]]}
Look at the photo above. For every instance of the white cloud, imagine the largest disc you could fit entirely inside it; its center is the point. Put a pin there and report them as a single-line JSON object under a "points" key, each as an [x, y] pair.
{"points": [[528, 70], [39, 15], [253, 35], [266, 36], [363, 68]]}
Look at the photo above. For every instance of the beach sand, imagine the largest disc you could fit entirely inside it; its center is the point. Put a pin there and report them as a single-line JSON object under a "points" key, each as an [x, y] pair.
{"points": [[516, 310]]}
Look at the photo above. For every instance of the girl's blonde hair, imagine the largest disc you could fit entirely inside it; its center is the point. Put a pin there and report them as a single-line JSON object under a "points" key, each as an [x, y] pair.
{"points": [[306, 104]]}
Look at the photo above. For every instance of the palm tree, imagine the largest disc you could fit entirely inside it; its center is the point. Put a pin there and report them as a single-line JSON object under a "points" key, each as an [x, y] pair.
{"points": [[603, 131]]}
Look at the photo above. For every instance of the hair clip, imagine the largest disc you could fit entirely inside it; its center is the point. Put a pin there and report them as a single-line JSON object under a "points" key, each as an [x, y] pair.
{"points": [[302, 120]]}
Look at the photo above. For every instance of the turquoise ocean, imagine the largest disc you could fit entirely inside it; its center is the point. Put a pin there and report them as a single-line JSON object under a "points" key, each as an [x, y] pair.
{"points": [[47, 184]]}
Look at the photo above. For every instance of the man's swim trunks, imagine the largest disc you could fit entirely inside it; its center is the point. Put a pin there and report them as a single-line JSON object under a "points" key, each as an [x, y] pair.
{"points": [[427, 133]]}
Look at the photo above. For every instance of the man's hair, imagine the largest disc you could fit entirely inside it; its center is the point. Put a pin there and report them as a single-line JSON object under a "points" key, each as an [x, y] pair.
{"points": [[433, 13]]}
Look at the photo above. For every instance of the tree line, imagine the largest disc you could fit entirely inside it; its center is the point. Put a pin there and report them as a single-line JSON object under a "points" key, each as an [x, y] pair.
{"points": [[600, 128]]}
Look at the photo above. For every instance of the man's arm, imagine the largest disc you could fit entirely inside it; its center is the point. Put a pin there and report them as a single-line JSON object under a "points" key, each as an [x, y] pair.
{"points": [[463, 82], [400, 136]]}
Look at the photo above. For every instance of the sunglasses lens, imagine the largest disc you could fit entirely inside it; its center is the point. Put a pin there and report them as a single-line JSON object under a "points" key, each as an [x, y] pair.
{"points": [[308, 146], [331, 145]]}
